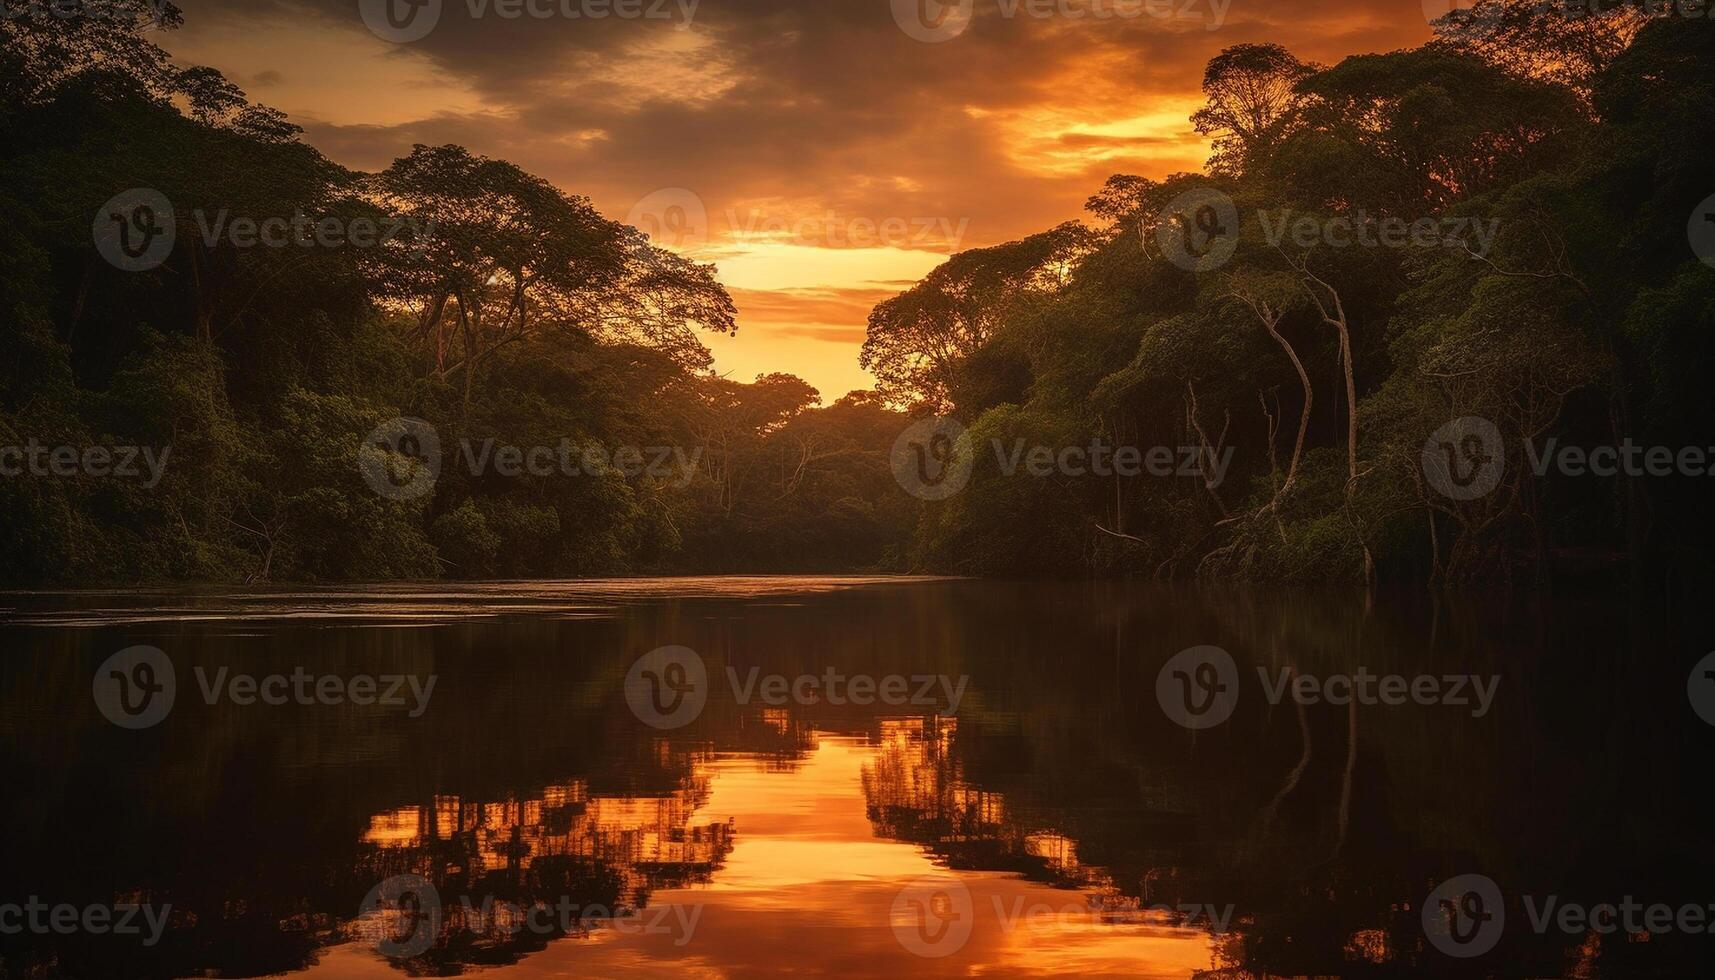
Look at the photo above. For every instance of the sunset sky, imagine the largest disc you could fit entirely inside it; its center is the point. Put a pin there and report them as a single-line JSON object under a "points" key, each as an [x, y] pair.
{"points": [[771, 115]]}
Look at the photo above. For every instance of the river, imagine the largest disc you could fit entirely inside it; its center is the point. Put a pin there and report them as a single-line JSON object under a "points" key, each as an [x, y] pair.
{"points": [[850, 776]]}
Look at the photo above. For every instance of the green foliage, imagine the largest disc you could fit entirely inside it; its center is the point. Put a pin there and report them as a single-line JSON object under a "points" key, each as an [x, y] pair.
{"points": [[462, 539], [1555, 297], [509, 314], [515, 315], [977, 532]]}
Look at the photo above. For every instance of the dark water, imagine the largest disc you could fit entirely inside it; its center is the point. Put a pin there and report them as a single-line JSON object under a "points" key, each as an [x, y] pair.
{"points": [[527, 815]]}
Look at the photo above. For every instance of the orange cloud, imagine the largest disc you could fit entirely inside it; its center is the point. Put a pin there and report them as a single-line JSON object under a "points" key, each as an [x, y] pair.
{"points": [[782, 111]]}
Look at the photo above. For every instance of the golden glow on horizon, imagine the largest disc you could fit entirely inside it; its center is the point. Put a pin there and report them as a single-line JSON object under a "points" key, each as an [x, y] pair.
{"points": [[777, 265]]}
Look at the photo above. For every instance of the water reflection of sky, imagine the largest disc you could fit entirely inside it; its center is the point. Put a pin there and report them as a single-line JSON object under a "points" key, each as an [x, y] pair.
{"points": [[790, 831], [808, 887]]}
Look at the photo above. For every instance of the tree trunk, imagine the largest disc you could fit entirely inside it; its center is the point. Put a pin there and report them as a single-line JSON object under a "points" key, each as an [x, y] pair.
{"points": [[1303, 415]]}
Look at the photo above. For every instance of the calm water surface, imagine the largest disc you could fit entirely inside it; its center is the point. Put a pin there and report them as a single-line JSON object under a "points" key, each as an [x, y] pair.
{"points": [[524, 818]]}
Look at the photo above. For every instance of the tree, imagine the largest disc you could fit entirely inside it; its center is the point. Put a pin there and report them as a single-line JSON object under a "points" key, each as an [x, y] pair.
{"points": [[1268, 298], [505, 255], [918, 342], [1565, 43], [659, 302], [501, 249], [44, 50], [732, 420], [1252, 90], [1412, 132]]}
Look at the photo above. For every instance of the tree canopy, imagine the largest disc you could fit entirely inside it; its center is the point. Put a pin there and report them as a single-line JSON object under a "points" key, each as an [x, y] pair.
{"points": [[1490, 226]]}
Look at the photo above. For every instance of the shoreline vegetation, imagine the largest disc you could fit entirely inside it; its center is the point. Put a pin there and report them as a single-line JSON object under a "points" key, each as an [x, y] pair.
{"points": [[1491, 227]]}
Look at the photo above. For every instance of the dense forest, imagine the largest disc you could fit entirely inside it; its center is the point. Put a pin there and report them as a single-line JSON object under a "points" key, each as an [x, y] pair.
{"points": [[1546, 162]]}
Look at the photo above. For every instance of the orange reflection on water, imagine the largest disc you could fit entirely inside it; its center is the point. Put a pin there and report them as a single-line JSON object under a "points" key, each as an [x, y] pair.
{"points": [[809, 887]]}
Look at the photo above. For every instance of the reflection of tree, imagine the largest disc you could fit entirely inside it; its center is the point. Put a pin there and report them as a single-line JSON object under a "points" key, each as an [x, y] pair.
{"points": [[493, 863], [921, 789], [777, 738], [916, 792], [1060, 768], [1323, 825]]}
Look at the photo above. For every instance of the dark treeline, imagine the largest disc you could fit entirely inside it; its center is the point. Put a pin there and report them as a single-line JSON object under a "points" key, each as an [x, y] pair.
{"points": [[1578, 140], [506, 311], [511, 313]]}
